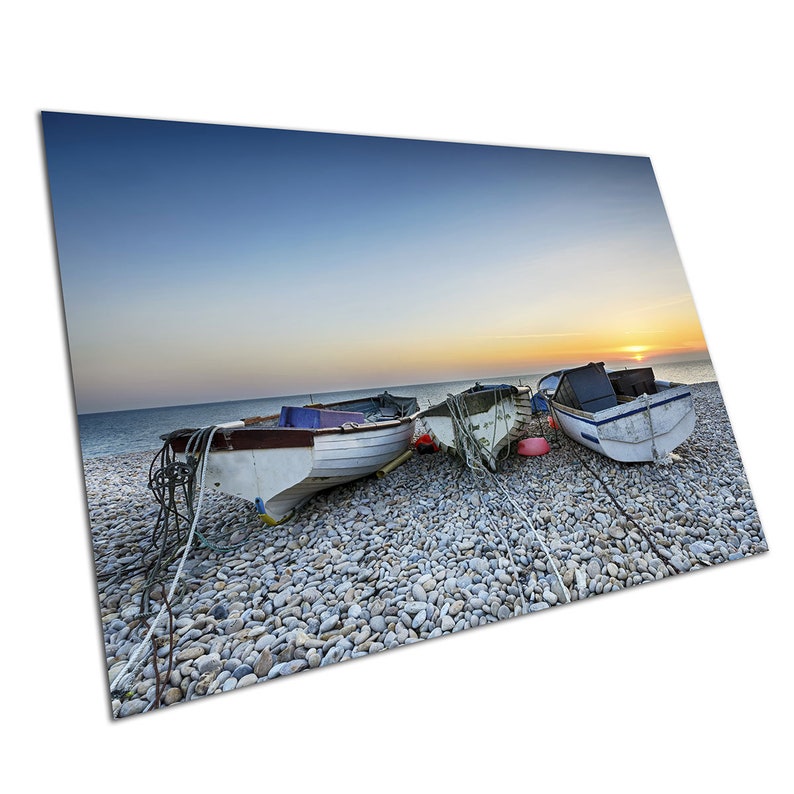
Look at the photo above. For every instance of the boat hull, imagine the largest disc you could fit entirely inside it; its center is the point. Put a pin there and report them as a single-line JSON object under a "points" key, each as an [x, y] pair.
{"points": [[286, 477], [278, 468], [642, 430], [495, 417]]}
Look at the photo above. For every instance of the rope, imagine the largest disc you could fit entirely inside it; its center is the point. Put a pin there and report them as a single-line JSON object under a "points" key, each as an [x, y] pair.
{"points": [[669, 569], [647, 402], [471, 451], [496, 529], [622, 510], [466, 443], [136, 661], [531, 526]]}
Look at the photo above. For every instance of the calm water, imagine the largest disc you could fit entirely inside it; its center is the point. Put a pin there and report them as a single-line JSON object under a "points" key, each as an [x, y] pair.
{"points": [[115, 432]]}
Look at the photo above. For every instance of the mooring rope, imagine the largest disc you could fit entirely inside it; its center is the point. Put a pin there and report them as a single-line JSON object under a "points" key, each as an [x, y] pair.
{"points": [[647, 403], [549, 556], [471, 454], [651, 472]]}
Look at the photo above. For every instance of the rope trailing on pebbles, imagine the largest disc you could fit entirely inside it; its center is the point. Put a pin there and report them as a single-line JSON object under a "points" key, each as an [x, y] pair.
{"points": [[496, 529], [137, 658], [652, 542], [622, 510], [471, 451], [536, 535], [577, 452]]}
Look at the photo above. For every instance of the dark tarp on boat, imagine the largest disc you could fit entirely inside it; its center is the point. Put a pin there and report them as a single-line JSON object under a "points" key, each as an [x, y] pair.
{"points": [[633, 382], [586, 388]]}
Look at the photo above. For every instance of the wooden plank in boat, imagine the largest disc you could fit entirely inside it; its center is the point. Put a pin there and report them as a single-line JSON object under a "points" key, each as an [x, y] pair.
{"points": [[252, 438]]}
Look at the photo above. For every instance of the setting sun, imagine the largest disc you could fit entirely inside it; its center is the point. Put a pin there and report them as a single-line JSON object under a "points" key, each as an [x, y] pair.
{"points": [[635, 352]]}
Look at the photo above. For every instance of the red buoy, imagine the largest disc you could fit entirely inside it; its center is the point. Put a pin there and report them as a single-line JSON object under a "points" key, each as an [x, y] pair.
{"points": [[533, 446], [552, 423], [425, 444]]}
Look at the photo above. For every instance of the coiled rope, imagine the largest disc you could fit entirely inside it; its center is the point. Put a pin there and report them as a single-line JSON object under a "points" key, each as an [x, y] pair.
{"points": [[137, 659]]}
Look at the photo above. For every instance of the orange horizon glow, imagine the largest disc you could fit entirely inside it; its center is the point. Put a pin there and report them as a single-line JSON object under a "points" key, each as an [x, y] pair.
{"points": [[535, 352], [474, 358]]}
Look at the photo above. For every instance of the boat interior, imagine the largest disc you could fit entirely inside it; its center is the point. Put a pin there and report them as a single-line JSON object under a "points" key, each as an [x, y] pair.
{"points": [[381, 407], [312, 418], [591, 388], [378, 408]]}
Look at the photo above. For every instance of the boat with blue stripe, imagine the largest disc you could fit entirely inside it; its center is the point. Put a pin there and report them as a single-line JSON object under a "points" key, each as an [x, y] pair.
{"points": [[626, 415]]}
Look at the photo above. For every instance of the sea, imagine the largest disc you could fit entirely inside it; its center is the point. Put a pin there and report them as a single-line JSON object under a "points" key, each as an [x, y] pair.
{"points": [[139, 430]]}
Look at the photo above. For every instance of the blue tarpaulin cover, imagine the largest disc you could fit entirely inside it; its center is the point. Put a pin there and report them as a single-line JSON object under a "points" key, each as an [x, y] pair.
{"points": [[310, 418]]}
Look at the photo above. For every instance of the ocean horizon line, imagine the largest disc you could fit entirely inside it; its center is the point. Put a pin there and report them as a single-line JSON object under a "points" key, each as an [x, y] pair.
{"points": [[705, 360]]}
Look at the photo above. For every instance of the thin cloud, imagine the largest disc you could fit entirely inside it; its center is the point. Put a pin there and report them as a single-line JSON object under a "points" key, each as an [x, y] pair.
{"points": [[663, 305], [531, 336]]}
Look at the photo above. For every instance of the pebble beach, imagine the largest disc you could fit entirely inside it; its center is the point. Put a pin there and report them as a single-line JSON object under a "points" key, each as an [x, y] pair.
{"points": [[429, 550]]}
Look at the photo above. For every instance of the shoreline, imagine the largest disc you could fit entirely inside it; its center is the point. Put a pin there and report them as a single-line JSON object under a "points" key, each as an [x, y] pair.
{"points": [[424, 552], [101, 436]]}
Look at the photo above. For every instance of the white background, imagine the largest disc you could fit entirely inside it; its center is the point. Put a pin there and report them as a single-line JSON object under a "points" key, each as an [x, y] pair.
{"points": [[683, 685]]}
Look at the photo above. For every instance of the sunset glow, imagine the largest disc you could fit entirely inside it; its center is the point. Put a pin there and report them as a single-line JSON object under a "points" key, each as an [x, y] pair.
{"points": [[203, 263]]}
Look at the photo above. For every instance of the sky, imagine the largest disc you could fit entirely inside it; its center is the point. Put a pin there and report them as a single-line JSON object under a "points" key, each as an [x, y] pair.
{"points": [[205, 262]]}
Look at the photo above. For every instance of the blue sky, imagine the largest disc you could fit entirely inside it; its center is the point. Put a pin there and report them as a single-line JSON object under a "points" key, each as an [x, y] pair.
{"points": [[205, 262]]}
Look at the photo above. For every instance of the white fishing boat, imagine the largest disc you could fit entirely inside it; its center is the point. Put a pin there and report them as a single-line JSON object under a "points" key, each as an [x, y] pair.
{"points": [[279, 466], [483, 421], [627, 415]]}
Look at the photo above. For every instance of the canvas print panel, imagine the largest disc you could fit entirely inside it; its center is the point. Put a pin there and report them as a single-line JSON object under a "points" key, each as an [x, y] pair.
{"points": [[339, 394]]}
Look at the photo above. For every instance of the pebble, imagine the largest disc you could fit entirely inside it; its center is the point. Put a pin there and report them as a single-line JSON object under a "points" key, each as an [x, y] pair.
{"points": [[419, 593], [382, 563], [329, 623], [172, 695], [378, 623], [243, 670], [210, 663], [447, 623]]}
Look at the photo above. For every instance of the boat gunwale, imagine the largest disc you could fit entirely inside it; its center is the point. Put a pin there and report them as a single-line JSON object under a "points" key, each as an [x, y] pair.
{"points": [[255, 437], [508, 390], [363, 427], [619, 411]]}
